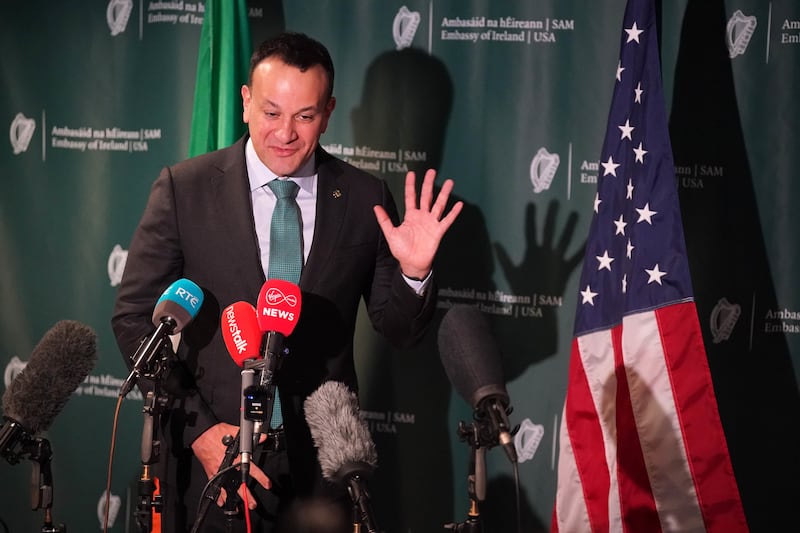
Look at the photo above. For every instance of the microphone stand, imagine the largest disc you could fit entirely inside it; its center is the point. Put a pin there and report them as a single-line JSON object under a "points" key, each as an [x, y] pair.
{"points": [[226, 477], [257, 405], [39, 451], [154, 403], [476, 479], [151, 447], [488, 428]]}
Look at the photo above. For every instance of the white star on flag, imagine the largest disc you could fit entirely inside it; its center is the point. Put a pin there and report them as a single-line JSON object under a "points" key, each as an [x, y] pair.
{"points": [[645, 215], [655, 274], [609, 167], [605, 261], [633, 33], [639, 151], [588, 296], [626, 130], [620, 224]]}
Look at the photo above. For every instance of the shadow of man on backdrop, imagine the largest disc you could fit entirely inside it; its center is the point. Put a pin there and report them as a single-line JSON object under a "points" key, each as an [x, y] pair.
{"points": [[752, 371], [405, 105]]}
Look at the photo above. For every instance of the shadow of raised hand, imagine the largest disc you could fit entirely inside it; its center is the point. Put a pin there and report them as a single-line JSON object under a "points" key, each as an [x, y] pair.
{"points": [[542, 274]]}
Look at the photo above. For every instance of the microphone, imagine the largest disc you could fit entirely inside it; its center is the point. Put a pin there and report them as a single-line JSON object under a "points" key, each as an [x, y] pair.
{"points": [[278, 310], [58, 365], [278, 307], [242, 337], [471, 359], [241, 332], [346, 452], [176, 307]]}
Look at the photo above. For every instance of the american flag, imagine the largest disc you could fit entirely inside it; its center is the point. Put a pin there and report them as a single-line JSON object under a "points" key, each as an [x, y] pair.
{"points": [[641, 446]]}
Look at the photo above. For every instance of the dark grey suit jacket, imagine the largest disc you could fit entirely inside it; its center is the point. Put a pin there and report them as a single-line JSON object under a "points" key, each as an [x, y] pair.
{"points": [[198, 224]]}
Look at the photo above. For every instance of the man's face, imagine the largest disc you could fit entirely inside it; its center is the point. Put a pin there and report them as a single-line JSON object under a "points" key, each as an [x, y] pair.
{"points": [[286, 111]]}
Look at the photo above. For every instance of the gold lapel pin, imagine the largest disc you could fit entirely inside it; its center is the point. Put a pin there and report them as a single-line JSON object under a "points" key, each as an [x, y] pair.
{"points": [[337, 193]]}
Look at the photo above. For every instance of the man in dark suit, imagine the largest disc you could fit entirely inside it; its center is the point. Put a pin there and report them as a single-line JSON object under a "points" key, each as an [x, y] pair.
{"points": [[205, 220]]}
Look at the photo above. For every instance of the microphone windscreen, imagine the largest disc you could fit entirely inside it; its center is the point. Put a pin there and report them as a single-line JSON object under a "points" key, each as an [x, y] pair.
{"points": [[470, 355], [241, 332], [59, 363], [180, 301], [339, 433], [278, 306]]}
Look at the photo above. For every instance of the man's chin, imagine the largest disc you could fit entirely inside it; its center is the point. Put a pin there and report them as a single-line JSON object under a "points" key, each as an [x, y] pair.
{"points": [[283, 168]]}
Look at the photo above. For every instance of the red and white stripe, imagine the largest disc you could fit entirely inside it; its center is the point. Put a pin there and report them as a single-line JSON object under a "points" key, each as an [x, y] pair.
{"points": [[642, 446]]}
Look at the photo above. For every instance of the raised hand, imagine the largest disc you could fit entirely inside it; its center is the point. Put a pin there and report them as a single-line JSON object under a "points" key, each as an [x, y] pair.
{"points": [[415, 241]]}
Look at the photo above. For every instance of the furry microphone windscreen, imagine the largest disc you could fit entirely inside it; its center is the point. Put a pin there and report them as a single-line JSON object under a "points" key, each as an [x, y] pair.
{"points": [[58, 364], [339, 433]]}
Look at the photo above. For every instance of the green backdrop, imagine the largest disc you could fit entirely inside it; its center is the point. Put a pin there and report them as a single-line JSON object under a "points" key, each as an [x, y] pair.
{"points": [[510, 99]]}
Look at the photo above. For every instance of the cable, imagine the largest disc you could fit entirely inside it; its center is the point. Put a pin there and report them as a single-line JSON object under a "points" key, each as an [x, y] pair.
{"points": [[246, 507], [111, 461], [517, 497]]}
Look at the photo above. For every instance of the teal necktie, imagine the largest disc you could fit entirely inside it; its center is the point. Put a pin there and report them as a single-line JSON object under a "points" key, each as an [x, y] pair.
{"points": [[285, 250]]}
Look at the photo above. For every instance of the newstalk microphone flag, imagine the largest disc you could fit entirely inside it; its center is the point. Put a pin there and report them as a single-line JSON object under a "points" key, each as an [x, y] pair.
{"points": [[223, 63], [641, 444]]}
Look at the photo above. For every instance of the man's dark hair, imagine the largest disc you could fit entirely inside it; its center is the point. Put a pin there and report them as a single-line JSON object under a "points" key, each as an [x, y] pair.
{"points": [[297, 50]]}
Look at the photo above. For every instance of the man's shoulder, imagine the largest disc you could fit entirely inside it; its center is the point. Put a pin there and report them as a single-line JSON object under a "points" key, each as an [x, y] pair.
{"points": [[210, 164]]}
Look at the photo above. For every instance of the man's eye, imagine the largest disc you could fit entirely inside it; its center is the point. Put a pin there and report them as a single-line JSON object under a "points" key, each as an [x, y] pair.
{"points": [[306, 118]]}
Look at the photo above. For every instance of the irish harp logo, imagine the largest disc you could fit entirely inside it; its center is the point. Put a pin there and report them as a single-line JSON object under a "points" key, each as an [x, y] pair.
{"points": [[740, 31], [543, 168], [116, 264], [527, 439], [404, 27], [723, 319], [114, 504], [21, 132], [117, 14]]}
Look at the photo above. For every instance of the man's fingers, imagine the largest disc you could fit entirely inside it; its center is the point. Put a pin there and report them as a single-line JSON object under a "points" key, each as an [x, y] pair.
{"points": [[426, 194], [256, 474], [260, 477], [411, 191], [441, 199], [448, 220], [247, 496], [383, 219]]}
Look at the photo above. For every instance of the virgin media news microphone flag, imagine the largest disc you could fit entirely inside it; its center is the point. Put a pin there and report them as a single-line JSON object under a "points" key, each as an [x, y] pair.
{"points": [[641, 445]]}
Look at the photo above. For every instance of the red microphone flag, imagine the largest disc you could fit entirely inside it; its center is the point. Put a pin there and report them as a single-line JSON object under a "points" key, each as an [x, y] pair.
{"points": [[241, 332], [278, 306]]}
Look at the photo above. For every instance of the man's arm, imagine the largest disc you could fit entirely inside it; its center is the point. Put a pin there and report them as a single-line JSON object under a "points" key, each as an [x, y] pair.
{"points": [[154, 261], [412, 245]]}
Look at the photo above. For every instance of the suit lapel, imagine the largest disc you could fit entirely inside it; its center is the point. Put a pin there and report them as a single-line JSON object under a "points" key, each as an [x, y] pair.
{"points": [[233, 208], [332, 194]]}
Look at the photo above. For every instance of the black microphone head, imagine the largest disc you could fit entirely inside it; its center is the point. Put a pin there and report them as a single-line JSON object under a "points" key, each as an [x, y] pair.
{"points": [[470, 355], [59, 363], [344, 444]]}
